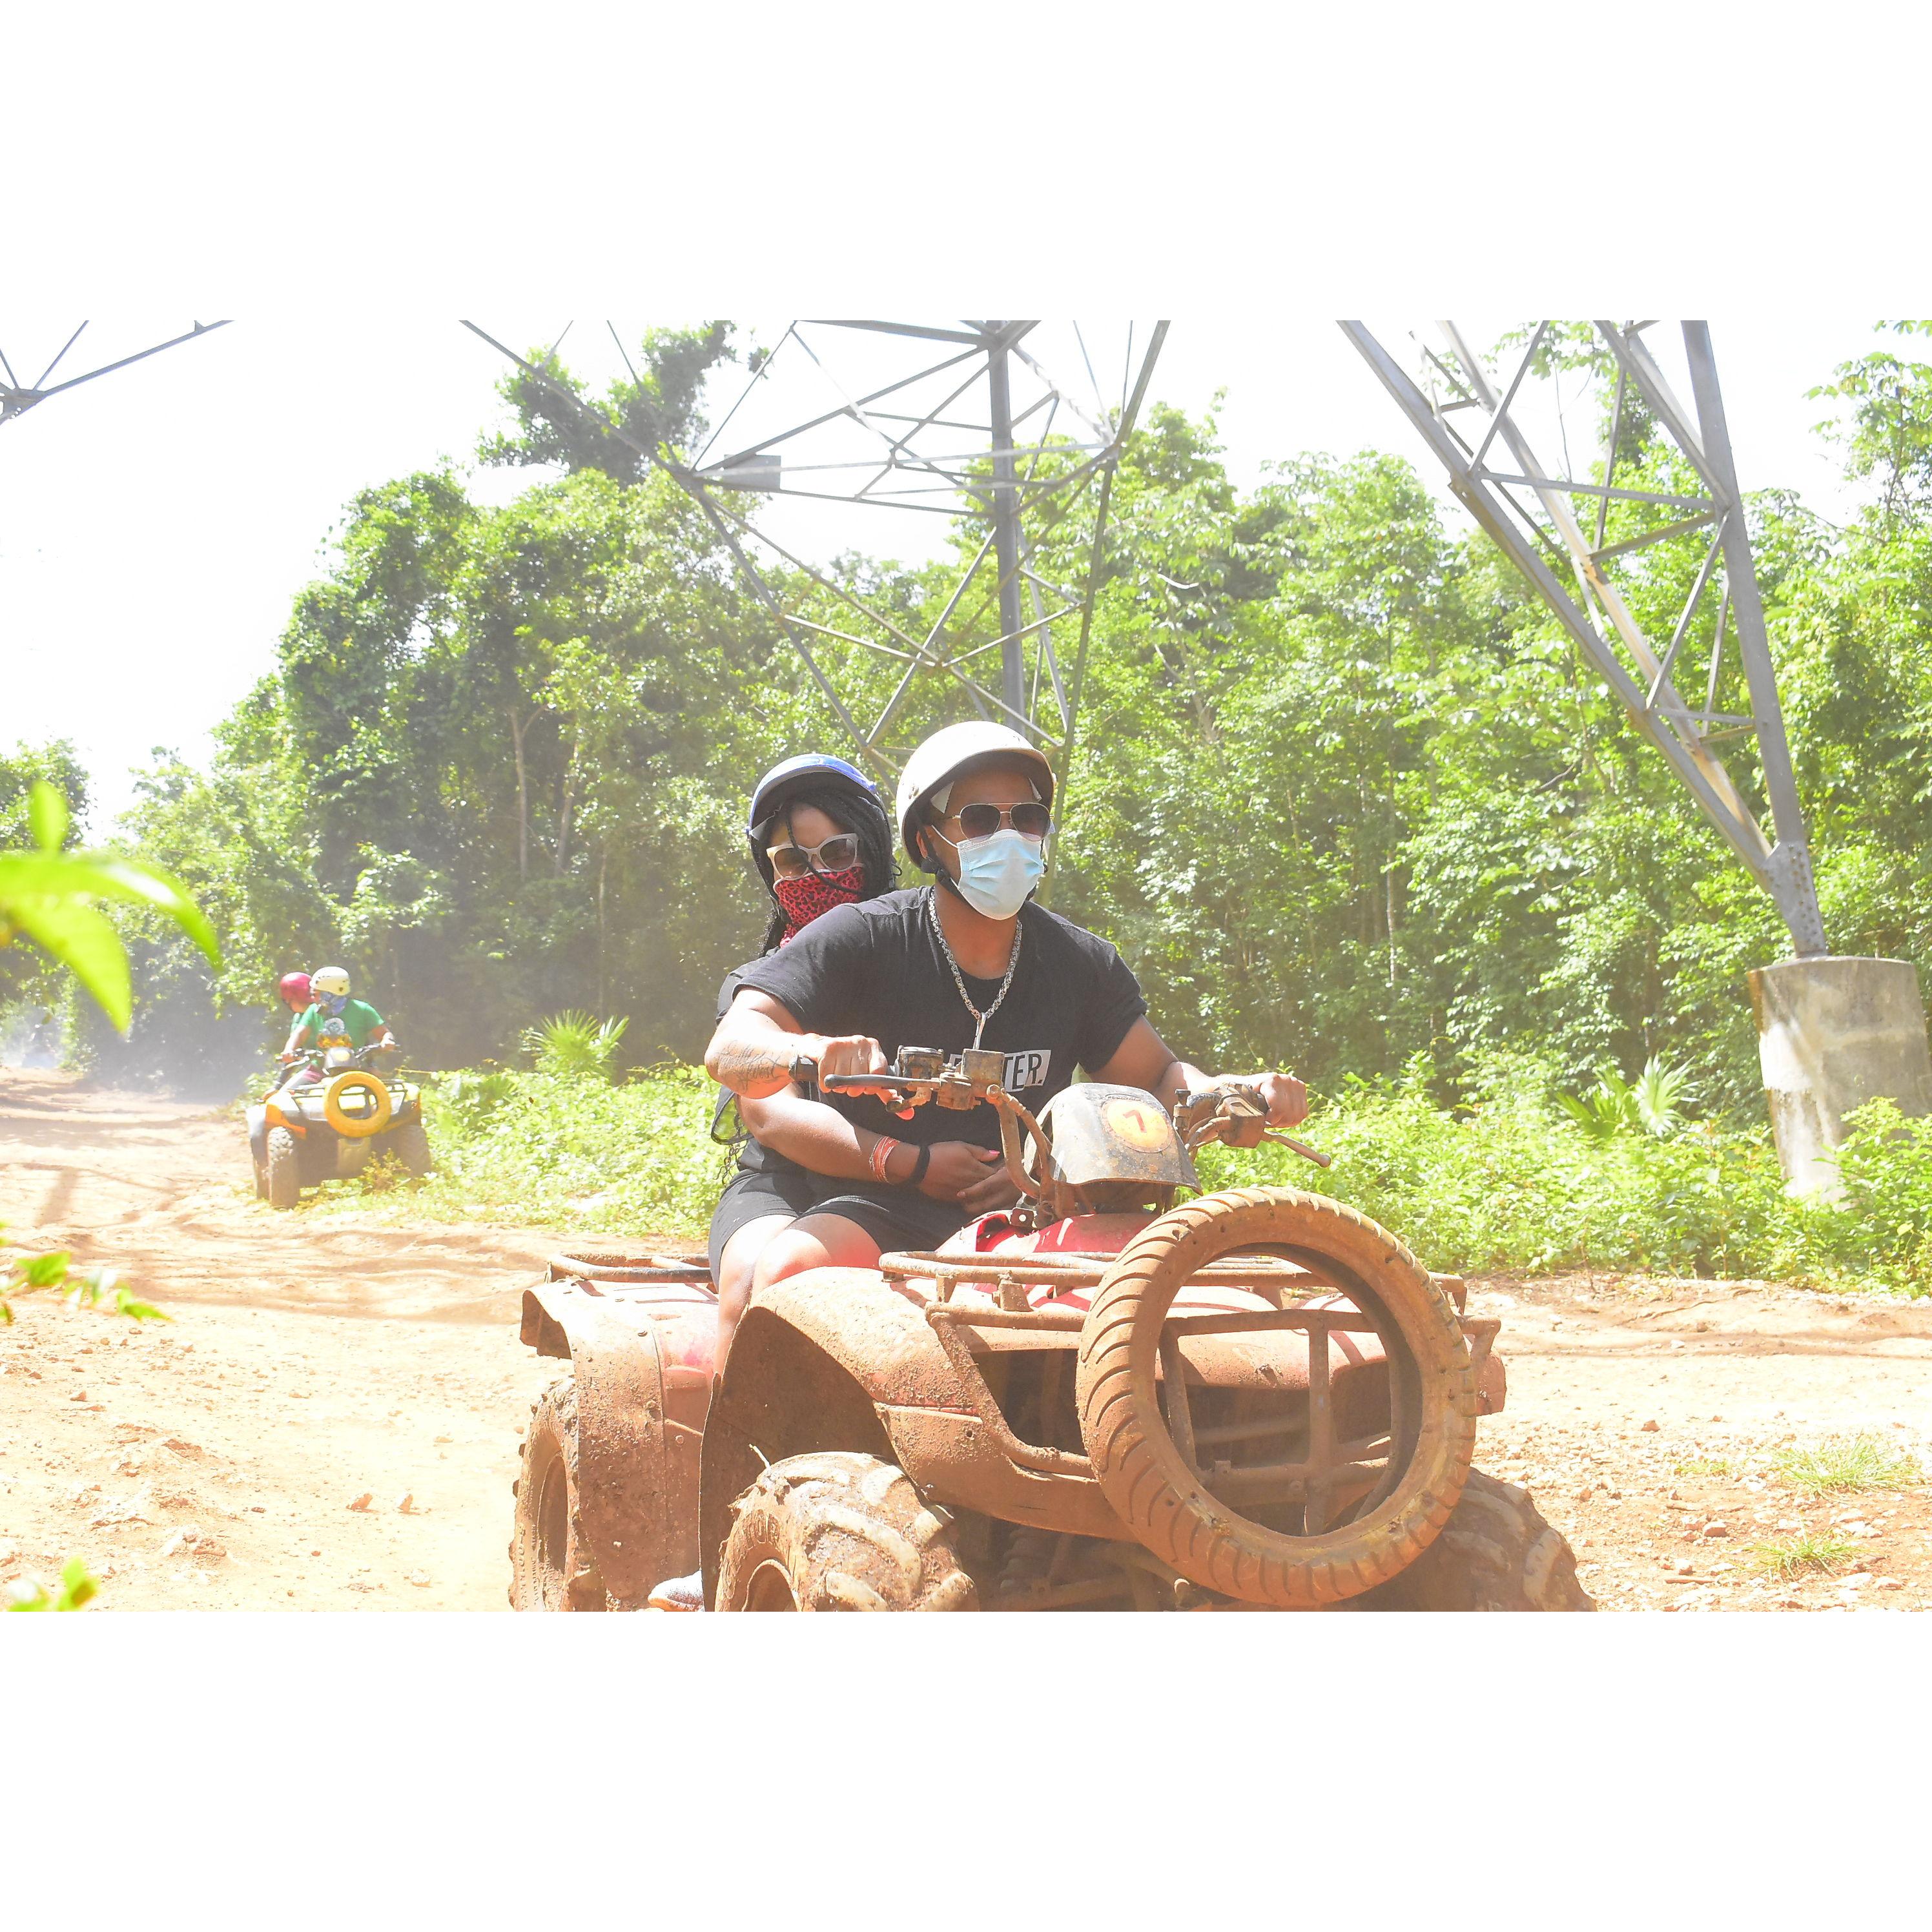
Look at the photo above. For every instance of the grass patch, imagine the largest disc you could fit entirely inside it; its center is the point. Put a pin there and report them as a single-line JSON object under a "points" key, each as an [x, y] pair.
{"points": [[539, 1150], [1845, 1462], [1703, 1465], [1509, 1183], [1816, 1550]]}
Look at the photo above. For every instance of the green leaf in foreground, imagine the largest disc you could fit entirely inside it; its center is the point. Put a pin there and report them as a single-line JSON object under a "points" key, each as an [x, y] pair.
{"points": [[47, 816], [48, 896], [79, 1588], [44, 1270]]}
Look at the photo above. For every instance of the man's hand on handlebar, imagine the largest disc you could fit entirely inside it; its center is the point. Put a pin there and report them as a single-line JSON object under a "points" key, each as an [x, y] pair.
{"points": [[1284, 1097], [846, 1057], [1243, 1111]]}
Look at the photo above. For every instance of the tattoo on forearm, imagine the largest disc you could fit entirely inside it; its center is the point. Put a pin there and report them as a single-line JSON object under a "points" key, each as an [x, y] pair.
{"points": [[741, 1062]]}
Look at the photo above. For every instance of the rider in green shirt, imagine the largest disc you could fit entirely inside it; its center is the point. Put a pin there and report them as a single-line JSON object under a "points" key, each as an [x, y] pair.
{"points": [[334, 1019]]}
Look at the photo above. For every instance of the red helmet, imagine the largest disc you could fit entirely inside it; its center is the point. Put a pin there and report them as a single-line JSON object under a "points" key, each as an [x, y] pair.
{"points": [[294, 990]]}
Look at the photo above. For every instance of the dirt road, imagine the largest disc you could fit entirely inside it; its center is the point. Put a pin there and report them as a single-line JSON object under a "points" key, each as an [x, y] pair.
{"points": [[311, 1360], [314, 1359]]}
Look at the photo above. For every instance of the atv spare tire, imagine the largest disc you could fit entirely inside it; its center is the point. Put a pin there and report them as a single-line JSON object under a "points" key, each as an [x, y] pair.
{"points": [[356, 1104], [1167, 1500]]}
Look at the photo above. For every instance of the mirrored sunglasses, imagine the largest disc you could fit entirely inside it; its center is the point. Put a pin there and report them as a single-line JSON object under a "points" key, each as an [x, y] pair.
{"points": [[1031, 820]]}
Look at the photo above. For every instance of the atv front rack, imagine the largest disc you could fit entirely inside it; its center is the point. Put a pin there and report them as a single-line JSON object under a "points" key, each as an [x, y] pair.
{"points": [[1329, 1462], [1011, 1275]]}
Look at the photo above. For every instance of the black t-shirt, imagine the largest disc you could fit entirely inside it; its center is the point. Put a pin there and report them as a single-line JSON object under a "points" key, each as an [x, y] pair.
{"points": [[877, 968]]}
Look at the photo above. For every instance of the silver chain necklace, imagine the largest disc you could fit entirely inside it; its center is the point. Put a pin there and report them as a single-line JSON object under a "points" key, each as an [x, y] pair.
{"points": [[959, 978]]}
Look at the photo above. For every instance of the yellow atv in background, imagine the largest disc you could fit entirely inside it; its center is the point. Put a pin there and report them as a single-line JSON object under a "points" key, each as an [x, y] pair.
{"points": [[325, 1121]]}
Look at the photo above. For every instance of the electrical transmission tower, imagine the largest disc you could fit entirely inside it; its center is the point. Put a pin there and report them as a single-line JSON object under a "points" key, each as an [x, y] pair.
{"points": [[17, 397], [968, 422], [1551, 522]]}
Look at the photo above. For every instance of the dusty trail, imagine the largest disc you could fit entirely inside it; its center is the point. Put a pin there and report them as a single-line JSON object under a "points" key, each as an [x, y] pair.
{"points": [[315, 1358], [311, 1360]]}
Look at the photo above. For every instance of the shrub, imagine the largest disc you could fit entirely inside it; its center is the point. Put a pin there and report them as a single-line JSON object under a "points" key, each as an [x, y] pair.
{"points": [[546, 1149], [573, 1045]]}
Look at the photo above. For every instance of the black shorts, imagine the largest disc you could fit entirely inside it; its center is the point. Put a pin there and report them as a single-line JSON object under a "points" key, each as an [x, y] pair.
{"points": [[899, 1218], [753, 1193]]}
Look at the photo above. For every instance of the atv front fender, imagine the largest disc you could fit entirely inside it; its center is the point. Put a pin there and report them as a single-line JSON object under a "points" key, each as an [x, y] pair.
{"points": [[643, 1384], [838, 1358]]}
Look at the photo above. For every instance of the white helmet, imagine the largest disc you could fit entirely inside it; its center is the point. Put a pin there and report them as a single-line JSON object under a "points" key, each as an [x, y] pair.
{"points": [[945, 755], [330, 980]]}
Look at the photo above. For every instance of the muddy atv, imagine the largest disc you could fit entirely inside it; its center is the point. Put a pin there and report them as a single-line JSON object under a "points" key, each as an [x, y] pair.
{"points": [[326, 1128], [1256, 1400]]}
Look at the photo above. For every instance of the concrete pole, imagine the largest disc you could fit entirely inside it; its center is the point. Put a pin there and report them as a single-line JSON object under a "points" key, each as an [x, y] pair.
{"points": [[1831, 1034]]}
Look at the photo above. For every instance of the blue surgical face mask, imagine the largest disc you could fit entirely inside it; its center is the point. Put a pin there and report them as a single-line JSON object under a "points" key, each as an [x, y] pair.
{"points": [[997, 875], [332, 1002]]}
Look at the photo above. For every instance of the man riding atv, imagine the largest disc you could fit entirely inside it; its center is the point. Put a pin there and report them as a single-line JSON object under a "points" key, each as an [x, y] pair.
{"points": [[966, 961], [969, 962], [331, 1018]]}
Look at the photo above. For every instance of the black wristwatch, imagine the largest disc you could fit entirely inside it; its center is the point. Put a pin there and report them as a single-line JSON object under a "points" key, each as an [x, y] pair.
{"points": [[920, 1166]]}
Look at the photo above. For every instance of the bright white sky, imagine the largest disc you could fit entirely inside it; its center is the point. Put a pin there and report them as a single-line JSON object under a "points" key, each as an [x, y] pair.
{"points": [[155, 525]]}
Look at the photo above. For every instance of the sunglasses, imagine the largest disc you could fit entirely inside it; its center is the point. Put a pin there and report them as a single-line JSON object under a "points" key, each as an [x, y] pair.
{"points": [[837, 854], [1031, 820]]}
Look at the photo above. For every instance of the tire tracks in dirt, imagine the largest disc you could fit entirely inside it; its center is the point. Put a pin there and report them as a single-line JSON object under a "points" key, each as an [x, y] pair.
{"points": [[312, 1360]]}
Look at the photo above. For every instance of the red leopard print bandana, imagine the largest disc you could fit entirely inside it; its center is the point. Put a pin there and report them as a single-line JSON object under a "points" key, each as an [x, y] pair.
{"points": [[802, 900]]}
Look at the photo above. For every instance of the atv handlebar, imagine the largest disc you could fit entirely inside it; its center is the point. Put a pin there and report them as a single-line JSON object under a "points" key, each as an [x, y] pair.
{"points": [[1229, 1111], [315, 1055], [971, 1078], [1233, 1112]]}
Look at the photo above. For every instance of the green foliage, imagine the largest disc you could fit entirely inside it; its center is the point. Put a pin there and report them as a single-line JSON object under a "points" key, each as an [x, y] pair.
{"points": [[1508, 1183], [472, 1095], [78, 1589], [575, 1045], [1862, 1462], [1884, 1215], [1650, 1104], [657, 407], [1505, 1182], [27, 1274], [562, 1151], [47, 895]]}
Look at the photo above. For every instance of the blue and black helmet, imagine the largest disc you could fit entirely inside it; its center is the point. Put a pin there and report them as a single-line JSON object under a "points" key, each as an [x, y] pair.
{"points": [[835, 787], [783, 782]]}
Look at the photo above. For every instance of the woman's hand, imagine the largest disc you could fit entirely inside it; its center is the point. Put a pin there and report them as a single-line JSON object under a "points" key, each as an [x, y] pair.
{"points": [[956, 1167]]}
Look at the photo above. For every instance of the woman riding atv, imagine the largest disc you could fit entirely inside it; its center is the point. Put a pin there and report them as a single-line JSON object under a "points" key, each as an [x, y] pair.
{"points": [[819, 838]]}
